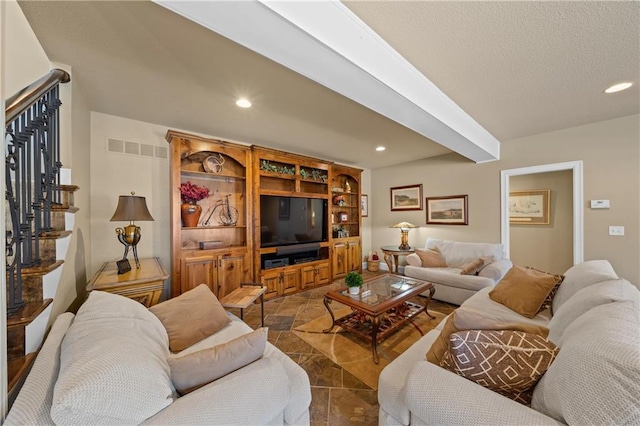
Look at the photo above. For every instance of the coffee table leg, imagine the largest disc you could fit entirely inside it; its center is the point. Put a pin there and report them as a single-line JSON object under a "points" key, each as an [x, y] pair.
{"points": [[327, 303], [374, 338], [432, 290]]}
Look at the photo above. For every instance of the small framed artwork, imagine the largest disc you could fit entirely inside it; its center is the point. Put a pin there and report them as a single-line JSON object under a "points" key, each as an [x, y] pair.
{"points": [[451, 210], [406, 198], [529, 207], [364, 205]]}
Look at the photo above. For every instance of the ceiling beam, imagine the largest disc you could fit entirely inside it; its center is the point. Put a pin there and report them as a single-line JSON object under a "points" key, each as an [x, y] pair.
{"points": [[326, 42]]}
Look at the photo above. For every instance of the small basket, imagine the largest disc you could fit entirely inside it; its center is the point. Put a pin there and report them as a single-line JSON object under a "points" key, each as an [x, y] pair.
{"points": [[373, 265]]}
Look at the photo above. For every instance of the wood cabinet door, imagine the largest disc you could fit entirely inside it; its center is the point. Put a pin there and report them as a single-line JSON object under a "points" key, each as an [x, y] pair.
{"points": [[198, 270], [322, 273], [339, 260], [232, 270], [355, 256], [308, 276], [271, 280], [290, 280]]}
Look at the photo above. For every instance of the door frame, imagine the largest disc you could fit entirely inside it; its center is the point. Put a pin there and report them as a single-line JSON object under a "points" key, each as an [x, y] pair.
{"points": [[578, 203]]}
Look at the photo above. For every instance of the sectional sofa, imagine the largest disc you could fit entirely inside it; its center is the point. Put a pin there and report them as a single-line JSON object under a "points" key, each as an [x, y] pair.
{"points": [[595, 378]]}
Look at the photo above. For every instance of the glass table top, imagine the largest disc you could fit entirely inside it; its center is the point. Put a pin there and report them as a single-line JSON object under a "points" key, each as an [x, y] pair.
{"points": [[384, 288]]}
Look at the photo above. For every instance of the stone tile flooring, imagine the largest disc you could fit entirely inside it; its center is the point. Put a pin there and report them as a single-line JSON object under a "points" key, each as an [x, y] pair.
{"points": [[338, 397]]}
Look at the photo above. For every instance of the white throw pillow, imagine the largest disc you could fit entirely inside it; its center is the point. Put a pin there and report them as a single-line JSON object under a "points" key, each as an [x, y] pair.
{"points": [[588, 298], [595, 379], [113, 364], [580, 276]]}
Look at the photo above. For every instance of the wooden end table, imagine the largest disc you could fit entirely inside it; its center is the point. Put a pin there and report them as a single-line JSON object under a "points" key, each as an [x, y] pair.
{"points": [[391, 255], [244, 296], [381, 308], [144, 284]]}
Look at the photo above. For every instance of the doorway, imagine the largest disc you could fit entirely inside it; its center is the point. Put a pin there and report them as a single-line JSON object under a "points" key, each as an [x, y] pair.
{"points": [[577, 188]]}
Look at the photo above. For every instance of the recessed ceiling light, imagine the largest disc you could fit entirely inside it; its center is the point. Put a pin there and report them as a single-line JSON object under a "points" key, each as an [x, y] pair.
{"points": [[380, 148], [243, 103], [618, 87]]}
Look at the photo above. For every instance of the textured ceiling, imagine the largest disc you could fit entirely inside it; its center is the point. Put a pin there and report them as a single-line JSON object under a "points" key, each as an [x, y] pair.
{"points": [[518, 68]]}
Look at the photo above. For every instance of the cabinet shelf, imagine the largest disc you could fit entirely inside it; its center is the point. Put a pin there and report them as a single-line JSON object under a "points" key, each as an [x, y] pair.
{"points": [[210, 176], [292, 194], [277, 175]]}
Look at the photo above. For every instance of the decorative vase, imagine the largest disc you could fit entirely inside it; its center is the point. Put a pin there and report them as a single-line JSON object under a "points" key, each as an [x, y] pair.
{"points": [[354, 290], [190, 213]]}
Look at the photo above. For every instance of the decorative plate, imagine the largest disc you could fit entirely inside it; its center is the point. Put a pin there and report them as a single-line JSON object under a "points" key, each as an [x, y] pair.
{"points": [[213, 163]]}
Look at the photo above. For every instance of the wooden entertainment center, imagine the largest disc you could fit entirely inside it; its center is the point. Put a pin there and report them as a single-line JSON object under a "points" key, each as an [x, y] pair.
{"points": [[312, 237]]}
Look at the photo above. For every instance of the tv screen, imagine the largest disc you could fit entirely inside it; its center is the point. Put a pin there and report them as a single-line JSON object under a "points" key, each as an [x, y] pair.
{"points": [[292, 220]]}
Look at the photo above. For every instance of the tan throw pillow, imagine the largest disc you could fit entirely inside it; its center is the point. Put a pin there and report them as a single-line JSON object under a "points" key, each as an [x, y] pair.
{"points": [[431, 258], [524, 290], [547, 301], [195, 370], [469, 319], [472, 268], [191, 317], [505, 361]]}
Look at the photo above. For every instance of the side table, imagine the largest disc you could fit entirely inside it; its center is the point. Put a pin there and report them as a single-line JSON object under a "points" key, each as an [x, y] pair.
{"points": [[391, 255], [144, 284], [244, 296]]}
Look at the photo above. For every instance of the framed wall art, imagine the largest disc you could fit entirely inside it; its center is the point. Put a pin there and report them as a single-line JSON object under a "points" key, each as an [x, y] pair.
{"points": [[529, 207], [406, 198], [364, 205], [451, 210]]}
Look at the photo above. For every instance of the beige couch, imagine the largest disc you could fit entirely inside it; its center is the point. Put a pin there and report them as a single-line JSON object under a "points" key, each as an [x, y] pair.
{"points": [[124, 376], [450, 285], [595, 378]]}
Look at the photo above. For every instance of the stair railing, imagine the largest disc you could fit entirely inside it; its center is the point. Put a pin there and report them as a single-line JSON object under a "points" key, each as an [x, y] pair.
{"points": [[32, 167]]}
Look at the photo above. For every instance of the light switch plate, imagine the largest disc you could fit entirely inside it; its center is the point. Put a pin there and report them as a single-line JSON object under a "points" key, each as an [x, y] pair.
{"points": [[617, 231], [599, 204]]}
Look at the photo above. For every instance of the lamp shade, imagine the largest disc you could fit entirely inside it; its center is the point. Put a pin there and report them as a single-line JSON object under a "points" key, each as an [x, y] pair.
{"points": [[131, 208], [404, 225]]}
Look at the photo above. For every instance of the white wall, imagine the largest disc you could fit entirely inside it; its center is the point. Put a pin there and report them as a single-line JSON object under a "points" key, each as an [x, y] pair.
{"points": [[115, 174], [365, 183], [546, 247], [610, 154]]}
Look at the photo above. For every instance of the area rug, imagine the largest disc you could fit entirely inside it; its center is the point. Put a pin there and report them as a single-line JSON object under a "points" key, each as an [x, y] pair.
{"points": [[354, 354]]}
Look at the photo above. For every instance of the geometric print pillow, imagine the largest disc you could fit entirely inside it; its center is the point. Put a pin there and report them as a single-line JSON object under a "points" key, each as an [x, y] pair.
{"points": [[505, 361]]}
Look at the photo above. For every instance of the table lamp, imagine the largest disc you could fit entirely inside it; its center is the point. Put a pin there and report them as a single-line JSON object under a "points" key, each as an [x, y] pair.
{"points": [[131, 208], [404, 234]]}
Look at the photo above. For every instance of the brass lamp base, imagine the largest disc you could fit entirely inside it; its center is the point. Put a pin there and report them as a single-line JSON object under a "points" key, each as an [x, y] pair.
{"points": [[404, 240], [129, 236]]}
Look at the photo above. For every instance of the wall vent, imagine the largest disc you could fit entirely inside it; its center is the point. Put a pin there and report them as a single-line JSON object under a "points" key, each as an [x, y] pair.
{"points": [[146, 150], [135, 148], [162, 152], [114, 145], [132, 148]]}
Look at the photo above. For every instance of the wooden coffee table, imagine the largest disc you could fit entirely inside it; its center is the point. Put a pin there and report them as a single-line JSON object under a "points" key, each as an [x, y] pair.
{"points": [[381, 308]]}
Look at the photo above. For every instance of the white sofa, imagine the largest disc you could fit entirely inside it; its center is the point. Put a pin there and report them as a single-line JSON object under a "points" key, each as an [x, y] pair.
{"points": [[450, 285], [595, 378], [135, 386]]}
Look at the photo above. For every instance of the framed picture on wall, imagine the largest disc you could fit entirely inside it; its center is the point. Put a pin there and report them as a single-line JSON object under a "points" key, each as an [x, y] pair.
{"points": [[406, 198], [364, 205], [529, 207], [450, 210]]}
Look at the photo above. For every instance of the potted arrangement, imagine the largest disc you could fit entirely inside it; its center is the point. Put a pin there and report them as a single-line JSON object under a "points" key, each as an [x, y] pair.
{"points": [[354, 281], [373, 262], [190, 210]]}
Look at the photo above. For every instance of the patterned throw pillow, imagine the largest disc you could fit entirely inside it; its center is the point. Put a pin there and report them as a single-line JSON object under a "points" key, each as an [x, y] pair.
{"points": [[505, 361]]}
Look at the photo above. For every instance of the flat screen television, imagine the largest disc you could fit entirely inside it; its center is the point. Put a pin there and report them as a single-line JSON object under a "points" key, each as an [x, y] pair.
{"points": [[292, 220]]}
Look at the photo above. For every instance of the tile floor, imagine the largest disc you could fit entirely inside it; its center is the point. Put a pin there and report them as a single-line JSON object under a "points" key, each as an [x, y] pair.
{"points": [[338, 397]]}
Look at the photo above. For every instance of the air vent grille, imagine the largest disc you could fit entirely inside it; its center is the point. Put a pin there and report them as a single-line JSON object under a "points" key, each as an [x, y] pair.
{"points": [[134, 148]]}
